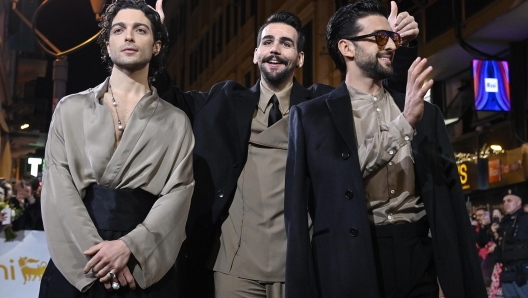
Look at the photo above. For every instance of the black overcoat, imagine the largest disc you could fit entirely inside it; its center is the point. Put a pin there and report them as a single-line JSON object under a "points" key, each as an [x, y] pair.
{"points": [[324, 177]]}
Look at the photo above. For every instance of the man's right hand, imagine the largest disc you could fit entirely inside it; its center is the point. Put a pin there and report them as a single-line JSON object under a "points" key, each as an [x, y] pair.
{"points": [[416, 90], [124, 277]]}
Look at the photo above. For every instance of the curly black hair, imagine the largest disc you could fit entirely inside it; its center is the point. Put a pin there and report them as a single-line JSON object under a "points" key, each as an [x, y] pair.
{"points": [[158, 62]]}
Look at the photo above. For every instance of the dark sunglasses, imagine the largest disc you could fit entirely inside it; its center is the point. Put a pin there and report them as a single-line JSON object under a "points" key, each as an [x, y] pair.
{"points": [[382, 37]]}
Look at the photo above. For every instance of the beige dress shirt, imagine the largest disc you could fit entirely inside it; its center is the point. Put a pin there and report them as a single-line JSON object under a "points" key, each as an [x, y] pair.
{"points": [[253, 240], [155, 154], [385, 156]]}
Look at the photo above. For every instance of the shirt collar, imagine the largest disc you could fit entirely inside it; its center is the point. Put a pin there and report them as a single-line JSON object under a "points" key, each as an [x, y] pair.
{"points": [[356, 94], [283, 96]]}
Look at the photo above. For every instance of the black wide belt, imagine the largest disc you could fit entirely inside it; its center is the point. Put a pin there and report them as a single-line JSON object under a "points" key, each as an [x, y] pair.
{"points": [[117, 209]]}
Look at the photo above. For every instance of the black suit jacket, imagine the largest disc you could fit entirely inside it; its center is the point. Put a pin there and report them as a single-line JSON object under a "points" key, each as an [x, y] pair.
{"points": [[324, 177]]}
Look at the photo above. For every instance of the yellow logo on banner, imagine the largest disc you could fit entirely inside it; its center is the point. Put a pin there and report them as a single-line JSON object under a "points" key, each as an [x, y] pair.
{"points": [[30, 272]]}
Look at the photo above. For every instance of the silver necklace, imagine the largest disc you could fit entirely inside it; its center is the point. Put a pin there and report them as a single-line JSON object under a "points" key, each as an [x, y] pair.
{"points": [[114, 103]]}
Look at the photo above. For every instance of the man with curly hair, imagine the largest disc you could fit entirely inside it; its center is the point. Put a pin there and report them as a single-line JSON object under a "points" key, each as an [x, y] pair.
{"points": [[116, 192]]}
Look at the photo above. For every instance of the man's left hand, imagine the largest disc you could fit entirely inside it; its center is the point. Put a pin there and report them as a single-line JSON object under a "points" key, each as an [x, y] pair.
{"points": [[107, 256], [416, 90], [403, 24]]}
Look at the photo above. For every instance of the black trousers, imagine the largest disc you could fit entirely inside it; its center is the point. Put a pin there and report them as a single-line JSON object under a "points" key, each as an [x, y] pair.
{"points": [[54, 284], [404, 260], [115, 212]]}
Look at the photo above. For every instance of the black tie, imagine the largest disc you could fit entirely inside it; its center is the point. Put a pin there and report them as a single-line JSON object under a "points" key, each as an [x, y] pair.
{"points": [[275, 113]]}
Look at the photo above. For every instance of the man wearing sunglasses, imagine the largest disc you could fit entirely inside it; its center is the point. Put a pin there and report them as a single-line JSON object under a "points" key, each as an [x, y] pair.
{"points": [[375, 170]]}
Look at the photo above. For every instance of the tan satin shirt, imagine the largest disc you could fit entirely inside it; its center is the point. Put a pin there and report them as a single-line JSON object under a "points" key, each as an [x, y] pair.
{"points": [[253, 240], [155, 154], [383, 138]]}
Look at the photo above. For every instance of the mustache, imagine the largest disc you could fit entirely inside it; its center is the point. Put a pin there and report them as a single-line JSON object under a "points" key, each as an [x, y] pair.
{"points": [[385, 53], [271, 57]]}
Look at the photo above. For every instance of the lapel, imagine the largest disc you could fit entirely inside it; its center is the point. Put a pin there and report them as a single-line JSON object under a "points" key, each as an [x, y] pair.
{"points": [[98, 131], [340, 107], [299, 94], [245, 104], [276, 136], [137, 122]]}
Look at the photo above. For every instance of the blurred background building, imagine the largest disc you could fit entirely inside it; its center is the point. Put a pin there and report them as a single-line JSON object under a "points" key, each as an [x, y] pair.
{"points": [[213, 41]]}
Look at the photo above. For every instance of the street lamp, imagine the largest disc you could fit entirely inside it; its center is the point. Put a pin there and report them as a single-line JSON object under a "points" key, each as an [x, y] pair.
{"points": [[60, 65]]}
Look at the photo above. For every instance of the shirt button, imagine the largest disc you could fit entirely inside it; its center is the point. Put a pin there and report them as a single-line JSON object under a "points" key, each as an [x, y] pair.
{"points": [[353, 232], [378, 110], [406, 138], [220, 194], [389, 216], [349, 194], [345, 155], [392, 191], [391, 152]]}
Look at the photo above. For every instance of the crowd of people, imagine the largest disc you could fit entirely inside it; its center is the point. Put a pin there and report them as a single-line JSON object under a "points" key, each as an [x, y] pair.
{"points": [[24, 198], [502, 242]]}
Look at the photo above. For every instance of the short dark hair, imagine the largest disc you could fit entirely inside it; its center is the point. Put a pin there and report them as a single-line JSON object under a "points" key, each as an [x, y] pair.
{"points": [[344, 24], [287, 18], [159, 61], [31, 180], [498, 209]]}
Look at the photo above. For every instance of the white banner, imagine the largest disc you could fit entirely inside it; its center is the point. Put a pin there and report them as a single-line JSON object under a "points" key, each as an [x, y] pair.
{"points": [[22, 263]]}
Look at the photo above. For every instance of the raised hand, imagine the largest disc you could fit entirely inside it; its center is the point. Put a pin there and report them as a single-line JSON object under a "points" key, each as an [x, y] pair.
{"points": [[403, 24], [159, 9], [416, 90]]}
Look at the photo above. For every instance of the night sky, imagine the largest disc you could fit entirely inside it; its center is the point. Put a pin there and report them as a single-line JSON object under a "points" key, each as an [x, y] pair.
{"points": [[67, 23]]}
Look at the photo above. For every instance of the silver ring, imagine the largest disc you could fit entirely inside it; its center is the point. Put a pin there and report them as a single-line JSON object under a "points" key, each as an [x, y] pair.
{"points": [[115, 285], [112, 275]]}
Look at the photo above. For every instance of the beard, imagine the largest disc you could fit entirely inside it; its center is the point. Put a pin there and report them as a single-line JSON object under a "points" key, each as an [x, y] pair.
{"points": [[277, 76], [370, 66]]}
